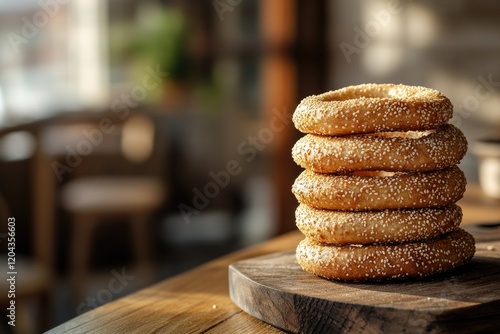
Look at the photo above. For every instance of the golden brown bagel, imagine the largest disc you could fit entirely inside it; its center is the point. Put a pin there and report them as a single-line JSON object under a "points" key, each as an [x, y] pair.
{"points": [[389, 151], [385, 226], [378, 262], [372, 108], [360, 191]]}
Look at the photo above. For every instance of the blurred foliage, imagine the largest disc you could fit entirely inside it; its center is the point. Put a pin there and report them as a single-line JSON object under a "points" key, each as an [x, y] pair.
{"points": [[162, 39], [159, 35], [164, 36]]}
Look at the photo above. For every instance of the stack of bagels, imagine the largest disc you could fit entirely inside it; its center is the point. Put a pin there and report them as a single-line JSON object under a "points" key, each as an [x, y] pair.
{"points": [[377, 197]]}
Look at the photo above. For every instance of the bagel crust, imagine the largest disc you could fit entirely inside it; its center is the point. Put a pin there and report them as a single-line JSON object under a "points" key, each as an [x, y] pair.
{"points": [[371, 108], [368, 227], [376, 191], [389, 151], [379, 262]]}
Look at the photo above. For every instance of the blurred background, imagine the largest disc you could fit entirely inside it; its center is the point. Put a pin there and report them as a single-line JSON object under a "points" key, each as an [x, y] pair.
{"points": [[141, 138]]}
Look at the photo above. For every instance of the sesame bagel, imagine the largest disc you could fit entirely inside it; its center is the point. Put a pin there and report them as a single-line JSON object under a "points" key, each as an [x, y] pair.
{"points": [[379, 262], [368, 227], [388, 151], [372, 108], [359, 191]]}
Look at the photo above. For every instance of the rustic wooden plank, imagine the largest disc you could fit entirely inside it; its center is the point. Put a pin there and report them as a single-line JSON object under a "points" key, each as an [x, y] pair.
{"points": [[186, 305], [275, 289]]}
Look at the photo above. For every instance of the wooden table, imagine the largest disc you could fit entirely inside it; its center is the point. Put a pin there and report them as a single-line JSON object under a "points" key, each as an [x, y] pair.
{"points": [[198, 301]]}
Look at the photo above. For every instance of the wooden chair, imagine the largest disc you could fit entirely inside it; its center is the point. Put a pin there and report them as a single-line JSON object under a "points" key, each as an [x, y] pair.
{"points": [[92, 200]]}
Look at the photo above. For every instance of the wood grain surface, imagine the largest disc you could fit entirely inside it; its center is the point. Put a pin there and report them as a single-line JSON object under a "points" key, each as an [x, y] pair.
{"points": [[196, 301], [275, 289]]}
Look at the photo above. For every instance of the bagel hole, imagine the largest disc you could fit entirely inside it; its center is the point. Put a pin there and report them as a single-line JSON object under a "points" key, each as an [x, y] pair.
{"points": [[352, 96], [334, 96], [402, 134], [374, 173]]}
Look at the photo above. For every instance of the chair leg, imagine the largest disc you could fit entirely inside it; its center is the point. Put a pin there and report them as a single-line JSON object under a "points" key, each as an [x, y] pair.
{"points": [[141, 239], [44, 310], [80, 253]]}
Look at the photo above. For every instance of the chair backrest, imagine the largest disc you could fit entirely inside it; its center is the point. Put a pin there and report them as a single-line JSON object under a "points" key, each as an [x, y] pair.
{"points": [[137, 138], [96, 147]]}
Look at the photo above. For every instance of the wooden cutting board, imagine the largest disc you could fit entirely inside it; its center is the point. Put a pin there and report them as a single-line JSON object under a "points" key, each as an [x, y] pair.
{"points": [[273, 288]]}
